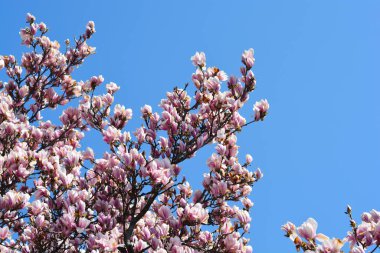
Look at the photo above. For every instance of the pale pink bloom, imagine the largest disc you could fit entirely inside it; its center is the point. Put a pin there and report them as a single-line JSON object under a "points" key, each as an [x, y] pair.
{"points": [[68, 221], [357, 249], [247, 58], [221, 149], [23, 91], [308, 229], [90, 29], [65, 178], [213, 84], [96, 80], [40, 221], [243, 216], [41, 192], [164, 212], [195, 213], [375, 216], [30, 18], [219, 189], [261, 109], [221, 134], [199, 59], [376, 232], [18, 70], [258, 174], [366, 217], [88, 154], [331, 246], [246, 190], [365, 233], [231, 243], [196, 197], [247, 249], [26, 37], [2, 64], [112, 88], [42, 27], [45, 41], [289, 228], [82, 224], [222, 76], [11, 58], [111, 134], [13, 198], [4, 233], [248, 159], [226, 228], [146, 111], [37, 207], [140, 245], [185, 188], [247, 203]]}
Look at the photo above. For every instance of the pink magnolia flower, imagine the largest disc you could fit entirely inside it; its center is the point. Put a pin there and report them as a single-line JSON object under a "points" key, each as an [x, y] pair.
{"points": [[2, 64], [243, 216], [247, 58], [112, 88], [199, 59], [248, 158], [195, 213], [146, 111], [289, 228], [30, 18], [219, 189], [140, 245], [232, 243], [247, 203], [308, 229], [111, 134], [357, 249], [261, 109], [4, 233], [90, 29], [222, 76], [164, 212], [42, 27], [82, 224], [331, 246]]}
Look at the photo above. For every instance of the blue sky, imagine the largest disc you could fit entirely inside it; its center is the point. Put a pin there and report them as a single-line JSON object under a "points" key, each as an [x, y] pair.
{"points": [[317, 62]]}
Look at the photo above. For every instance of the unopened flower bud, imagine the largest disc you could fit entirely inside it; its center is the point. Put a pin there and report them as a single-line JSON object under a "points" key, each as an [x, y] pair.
{"points": [[248, 159], [30, 18], [349, 209], [353, 223]]}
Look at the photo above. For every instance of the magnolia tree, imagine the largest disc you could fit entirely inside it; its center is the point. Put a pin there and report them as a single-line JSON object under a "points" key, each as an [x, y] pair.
{"points": [[56, 196]]}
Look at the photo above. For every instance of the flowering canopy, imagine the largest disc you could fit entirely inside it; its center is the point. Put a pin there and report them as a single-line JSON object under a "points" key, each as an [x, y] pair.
{"points": [[57, 197]]}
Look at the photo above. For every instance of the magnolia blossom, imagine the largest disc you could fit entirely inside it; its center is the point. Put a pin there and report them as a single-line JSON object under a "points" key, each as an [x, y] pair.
{"points": [[308, 229], [199, 59], [261, 109], [247, 58], [2, 64]]}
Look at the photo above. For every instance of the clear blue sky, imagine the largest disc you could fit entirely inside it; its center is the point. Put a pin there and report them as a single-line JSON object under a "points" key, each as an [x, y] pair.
{"points": [[317, 62]]}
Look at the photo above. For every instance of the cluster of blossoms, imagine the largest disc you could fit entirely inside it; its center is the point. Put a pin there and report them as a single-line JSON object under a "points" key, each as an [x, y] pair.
{"points": [[57, 197], [362, 238]]}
